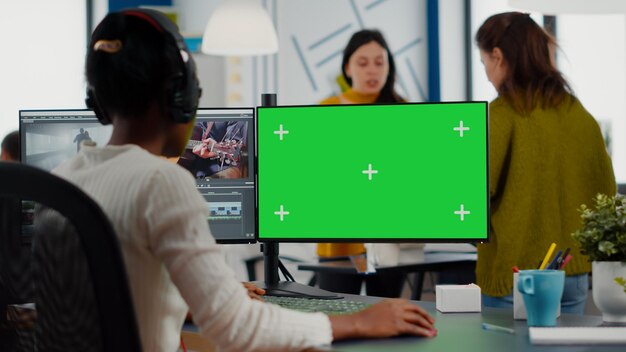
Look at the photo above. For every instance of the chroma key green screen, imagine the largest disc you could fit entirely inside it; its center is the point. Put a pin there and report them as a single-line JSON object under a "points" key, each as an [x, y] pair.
{"points": [[377, 173]]}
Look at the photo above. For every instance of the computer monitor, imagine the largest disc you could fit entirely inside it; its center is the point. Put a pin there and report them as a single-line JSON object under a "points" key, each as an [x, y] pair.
{"points": [[49, 137], [220, 156], [224, 177], [414, 172]]}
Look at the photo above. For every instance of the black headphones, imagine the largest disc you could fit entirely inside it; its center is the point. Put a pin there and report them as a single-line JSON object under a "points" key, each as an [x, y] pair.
{"points": [[186, 92]]}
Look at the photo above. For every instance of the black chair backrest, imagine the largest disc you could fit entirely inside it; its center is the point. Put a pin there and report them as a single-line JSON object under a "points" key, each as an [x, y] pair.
{"points": [[79, 283]]}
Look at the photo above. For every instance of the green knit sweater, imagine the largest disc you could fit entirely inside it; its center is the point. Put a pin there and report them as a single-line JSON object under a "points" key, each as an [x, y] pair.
{"points": [[543, 166]]}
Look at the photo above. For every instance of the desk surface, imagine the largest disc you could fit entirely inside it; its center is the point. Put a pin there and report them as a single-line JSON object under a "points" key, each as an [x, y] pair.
{"points": [[463, 332], [433, 261]]}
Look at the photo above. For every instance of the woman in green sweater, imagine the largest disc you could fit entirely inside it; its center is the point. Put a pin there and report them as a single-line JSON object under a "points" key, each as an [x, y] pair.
{"points": [[547, 157]]}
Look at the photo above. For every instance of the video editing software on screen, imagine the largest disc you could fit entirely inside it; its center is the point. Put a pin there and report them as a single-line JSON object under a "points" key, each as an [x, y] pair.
{"points": [[220, 156], [403, 172], [49, 137]]}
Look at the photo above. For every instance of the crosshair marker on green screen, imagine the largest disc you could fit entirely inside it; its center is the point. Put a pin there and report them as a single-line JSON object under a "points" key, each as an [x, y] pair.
{"points": [[373, 172]]}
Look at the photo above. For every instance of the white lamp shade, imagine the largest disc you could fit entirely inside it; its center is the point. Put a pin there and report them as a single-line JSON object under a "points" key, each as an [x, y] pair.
{"points": [[556, 7], [239, 28]]}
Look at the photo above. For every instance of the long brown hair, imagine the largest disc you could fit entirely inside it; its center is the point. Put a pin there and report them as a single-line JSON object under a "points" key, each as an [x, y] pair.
{"points": [[531, 77]]}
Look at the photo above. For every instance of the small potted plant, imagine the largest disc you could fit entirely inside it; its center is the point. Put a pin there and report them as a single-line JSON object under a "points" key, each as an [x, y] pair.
{"points": [[603, 239]]}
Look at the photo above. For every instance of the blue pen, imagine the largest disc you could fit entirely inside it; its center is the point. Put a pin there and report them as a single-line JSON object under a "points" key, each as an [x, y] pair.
{"points": [[491, 327], [555, 261], [558, 265]]}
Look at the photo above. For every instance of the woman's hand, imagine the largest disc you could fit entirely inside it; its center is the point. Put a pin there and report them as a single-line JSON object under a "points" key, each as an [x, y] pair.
{"points": [[387, 318], [253, 291]]}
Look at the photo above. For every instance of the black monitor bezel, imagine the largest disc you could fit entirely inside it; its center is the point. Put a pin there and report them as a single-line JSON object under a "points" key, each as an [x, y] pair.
{"points": [[371, 240]]}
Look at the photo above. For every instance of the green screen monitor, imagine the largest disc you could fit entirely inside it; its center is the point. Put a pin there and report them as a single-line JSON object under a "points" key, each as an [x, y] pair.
{"points": [[414, 172]]}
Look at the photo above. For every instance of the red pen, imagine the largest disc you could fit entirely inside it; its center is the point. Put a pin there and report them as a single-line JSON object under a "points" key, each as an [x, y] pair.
{"points": [[515, 269], [565, 261]]}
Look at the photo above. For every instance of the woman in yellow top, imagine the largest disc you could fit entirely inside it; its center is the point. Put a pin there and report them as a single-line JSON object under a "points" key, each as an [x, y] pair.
{"points": [[369, 69]]}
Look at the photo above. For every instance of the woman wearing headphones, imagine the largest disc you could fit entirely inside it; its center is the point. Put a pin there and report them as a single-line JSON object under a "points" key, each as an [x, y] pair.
{"points": [[142, 79]]}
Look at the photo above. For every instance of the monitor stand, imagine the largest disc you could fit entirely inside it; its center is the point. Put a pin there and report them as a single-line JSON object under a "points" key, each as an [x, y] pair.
{"points": [[274, 287]]}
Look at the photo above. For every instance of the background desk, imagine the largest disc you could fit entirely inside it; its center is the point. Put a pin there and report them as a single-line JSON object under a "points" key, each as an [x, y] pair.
{"points": [[463, 332], [436, 261]]}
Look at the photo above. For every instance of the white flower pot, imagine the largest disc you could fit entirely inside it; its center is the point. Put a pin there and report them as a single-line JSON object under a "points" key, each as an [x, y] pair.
{"points": [[608, 296]]}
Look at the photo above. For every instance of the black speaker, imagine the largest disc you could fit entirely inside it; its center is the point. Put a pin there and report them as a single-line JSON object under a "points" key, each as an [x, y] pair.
{"points": [[186, 92]]}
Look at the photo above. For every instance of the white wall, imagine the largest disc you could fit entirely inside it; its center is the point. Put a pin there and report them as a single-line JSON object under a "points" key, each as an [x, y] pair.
{"points": [[100, 9], [593, 59], [244, 79], [308, 77], [42, 57], [193, 16], [309, 64], [452, 50]]}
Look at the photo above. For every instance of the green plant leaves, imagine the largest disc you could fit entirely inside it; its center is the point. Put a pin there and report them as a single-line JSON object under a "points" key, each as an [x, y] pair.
{"points": [[603, 235]]}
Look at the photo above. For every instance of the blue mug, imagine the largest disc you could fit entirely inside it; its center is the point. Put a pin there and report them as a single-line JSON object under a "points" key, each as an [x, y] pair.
{"points": [[542, 291]]}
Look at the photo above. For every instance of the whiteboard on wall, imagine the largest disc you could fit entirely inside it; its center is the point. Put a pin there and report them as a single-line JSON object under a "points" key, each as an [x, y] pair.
{"points": [[313, 34]]}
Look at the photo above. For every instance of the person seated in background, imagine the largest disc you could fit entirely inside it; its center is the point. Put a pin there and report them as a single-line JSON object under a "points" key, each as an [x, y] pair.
{"points": [[11, 147], [546, 158], [145, 84]]}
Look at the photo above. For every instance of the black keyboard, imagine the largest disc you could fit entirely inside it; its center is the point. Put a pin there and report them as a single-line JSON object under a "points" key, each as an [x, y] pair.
{"points": [[328, 306]]}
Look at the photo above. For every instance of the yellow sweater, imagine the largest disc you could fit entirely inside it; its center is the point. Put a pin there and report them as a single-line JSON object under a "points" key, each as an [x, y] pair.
{"points": [[344, 249], [542, 168], [350, 97]]}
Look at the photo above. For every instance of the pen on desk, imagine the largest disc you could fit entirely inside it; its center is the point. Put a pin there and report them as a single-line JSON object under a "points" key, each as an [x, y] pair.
{"points": [[491, 327], [547, 257], [555, 261], [565, 261]]}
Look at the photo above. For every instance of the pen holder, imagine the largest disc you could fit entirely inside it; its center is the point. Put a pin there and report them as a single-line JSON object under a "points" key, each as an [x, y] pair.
{"points": [[519, 309]]}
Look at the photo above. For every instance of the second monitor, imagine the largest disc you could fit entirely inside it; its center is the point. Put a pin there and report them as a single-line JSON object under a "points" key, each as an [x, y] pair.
{"points": [[222, 164], [220, 156], [373, 173]]}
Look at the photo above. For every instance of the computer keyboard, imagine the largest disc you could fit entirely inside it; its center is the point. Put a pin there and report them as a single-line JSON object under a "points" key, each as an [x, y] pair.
{"points": [[328, 306]]}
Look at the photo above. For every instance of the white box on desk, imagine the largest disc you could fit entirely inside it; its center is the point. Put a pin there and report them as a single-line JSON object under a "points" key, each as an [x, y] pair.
{"points": [[458, 298]]}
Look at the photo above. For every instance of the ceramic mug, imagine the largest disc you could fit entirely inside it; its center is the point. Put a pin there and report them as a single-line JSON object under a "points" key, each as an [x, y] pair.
{"points": [[519, 309], [542, 291]]}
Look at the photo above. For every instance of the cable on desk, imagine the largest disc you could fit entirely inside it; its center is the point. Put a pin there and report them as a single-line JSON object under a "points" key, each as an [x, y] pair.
{"points": [[285, 272]]}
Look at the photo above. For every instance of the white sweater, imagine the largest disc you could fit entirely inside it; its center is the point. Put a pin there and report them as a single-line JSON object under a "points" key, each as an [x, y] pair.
{"points": [[172, 259]]}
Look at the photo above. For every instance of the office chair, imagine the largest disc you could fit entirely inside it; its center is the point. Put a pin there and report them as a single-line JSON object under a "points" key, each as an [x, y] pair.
{"points": [[77, 276]]}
